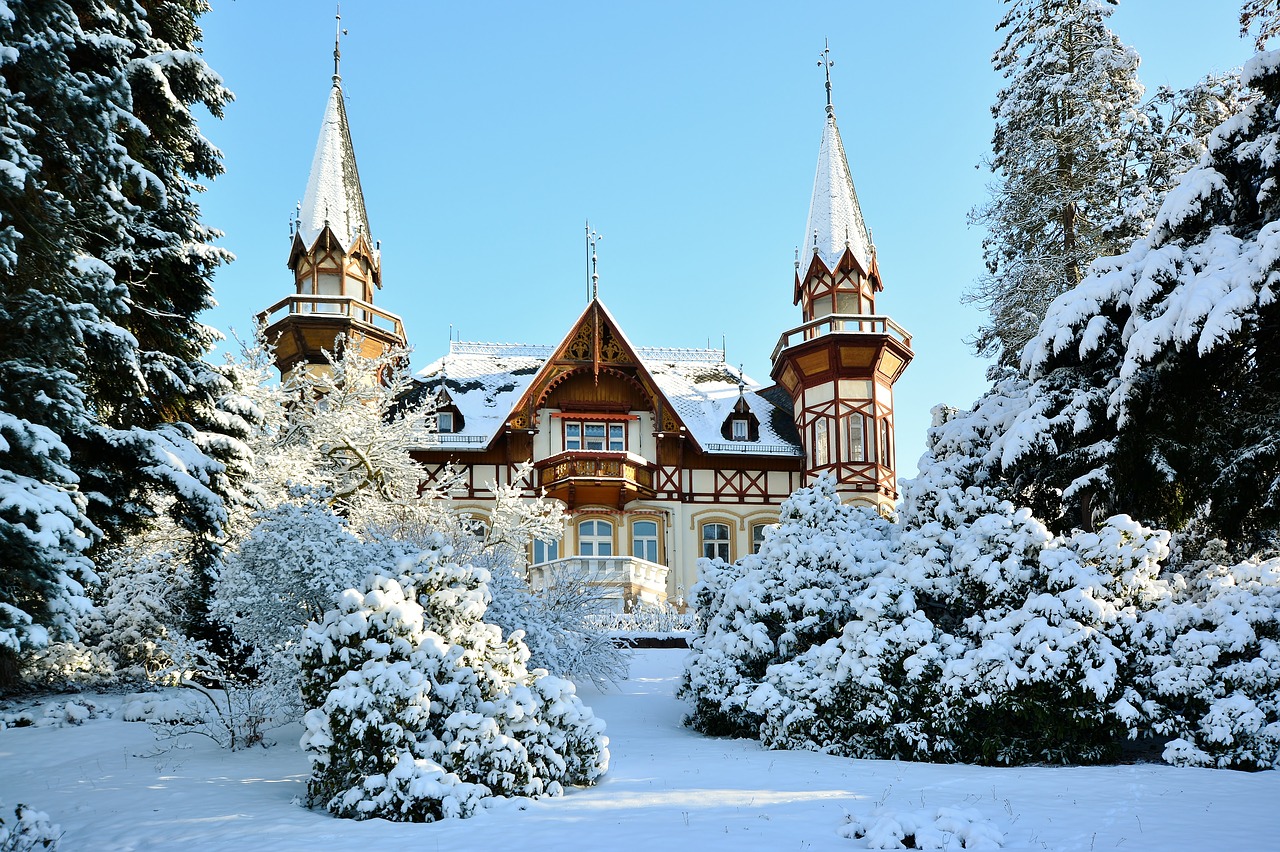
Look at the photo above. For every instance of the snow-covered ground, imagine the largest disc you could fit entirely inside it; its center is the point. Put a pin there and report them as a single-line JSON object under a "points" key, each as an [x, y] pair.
{"points": [[111, 786]]}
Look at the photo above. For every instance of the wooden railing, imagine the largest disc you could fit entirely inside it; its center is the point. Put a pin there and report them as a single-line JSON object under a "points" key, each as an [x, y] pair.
{"points": [[576, 464], [329, 306], [842, 324]]}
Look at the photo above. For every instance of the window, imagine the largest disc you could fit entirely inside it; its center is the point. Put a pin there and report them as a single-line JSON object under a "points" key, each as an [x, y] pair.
{"points": [[821, 447], [855, 429], [757, 536], [444, 421], [740, 428], [328, 284], [644, 540], [886, 442], [715, 541], [846, 302], [585, 435], [545, 551], [595, 538]]}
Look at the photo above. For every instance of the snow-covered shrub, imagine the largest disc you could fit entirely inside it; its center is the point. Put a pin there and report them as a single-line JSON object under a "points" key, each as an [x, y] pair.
{"points": [[417, 709], [774, 605], [1213, 666], [942, 828], [286, 572], [236, 705], [28, 830], [140, 604], [561, 625]]}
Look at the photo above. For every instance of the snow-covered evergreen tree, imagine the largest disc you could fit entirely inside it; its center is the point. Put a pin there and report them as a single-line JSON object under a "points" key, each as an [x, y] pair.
{"points": [[1211, 667], [771, 606], [1063, 120], [105, 405], [1176, 338], [418, 709]]}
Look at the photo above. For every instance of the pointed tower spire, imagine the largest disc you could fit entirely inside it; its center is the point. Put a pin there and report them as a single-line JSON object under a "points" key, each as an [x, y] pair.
{"points": [[334, 196], [835, 217], [336, 263]]}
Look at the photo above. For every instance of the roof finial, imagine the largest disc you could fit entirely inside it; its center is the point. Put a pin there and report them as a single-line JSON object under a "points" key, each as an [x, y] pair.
{"points": [[593, 239], [827, 62], [337, 49], [742, 381]]}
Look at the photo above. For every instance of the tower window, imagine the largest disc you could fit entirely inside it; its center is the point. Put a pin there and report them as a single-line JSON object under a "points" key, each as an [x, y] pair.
{"points": [[715, 541], [855, 437], [821, 443]]}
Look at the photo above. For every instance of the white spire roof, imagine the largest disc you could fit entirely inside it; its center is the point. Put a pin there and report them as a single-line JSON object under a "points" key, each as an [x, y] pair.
{"points": [[834, 213], [333, 194]]}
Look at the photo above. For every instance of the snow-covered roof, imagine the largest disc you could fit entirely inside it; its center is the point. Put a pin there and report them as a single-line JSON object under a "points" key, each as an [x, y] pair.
{"points": [[333, 196], [834, 213], [486, 380]]}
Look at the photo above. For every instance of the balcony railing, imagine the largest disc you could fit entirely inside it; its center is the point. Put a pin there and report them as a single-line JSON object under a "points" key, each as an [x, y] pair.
{"points": [[842, 324], [324, 307], [621, 580], [593, 465], [754, 449]]}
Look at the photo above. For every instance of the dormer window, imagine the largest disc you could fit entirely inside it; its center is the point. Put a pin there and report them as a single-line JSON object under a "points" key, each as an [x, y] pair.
{"points": [[444, 422], [741, 427], [741, 424]]}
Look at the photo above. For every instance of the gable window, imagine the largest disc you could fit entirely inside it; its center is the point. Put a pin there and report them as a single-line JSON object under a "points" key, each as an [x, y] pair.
{"points": [[586, 435], [444, 422], [644, 540], [715, 541], [545, 551], [595, 538]]}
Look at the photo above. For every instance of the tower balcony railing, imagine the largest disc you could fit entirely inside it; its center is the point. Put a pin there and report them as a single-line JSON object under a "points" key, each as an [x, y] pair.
{"points": [[327, 307], [842, 324]]}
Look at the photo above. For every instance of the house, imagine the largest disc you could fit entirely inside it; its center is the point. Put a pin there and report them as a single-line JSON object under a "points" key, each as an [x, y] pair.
{"points": [[661, 456]]}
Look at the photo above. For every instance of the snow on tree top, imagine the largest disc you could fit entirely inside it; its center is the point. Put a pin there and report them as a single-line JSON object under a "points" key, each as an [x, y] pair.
{"points": [[333, 196], [834, 213]]}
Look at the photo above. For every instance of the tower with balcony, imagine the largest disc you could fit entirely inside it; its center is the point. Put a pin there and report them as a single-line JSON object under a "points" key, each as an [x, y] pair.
{"points": [[840, 365], [335, 261]]}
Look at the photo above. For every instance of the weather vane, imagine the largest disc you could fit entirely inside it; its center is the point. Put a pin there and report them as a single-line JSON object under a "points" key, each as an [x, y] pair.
{"points": [[825, 60], [337, 40], [593, 239]]}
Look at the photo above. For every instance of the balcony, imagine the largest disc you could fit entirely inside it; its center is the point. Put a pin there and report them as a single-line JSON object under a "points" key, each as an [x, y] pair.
{"points": [[327, 308], [843, 324], [581, 477], [623, 580]]}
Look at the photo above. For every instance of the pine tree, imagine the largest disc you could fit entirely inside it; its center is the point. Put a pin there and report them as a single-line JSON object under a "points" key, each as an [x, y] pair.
{"points": [[1063, 125], [1181, 331], [106, 409]]}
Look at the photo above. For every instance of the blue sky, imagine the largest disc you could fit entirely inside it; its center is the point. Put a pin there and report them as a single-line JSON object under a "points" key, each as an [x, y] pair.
{"points": [[486, 133]]}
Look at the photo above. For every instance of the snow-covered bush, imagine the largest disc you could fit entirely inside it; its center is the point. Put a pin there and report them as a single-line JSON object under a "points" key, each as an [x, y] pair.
{"points": [[417, 709], [560, 623], [968, 631], [940, 828], [774, 605], [1212, 666], [28, 830]]}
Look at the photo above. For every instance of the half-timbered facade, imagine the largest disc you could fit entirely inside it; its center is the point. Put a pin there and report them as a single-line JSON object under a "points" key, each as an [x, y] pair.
{"points": [[660, 456]]}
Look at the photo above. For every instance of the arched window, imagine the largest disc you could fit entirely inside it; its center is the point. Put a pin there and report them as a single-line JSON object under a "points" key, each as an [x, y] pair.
{"points": [[545, 551], [644, 540], [715, 541], [757, 536], [595, 538]]}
